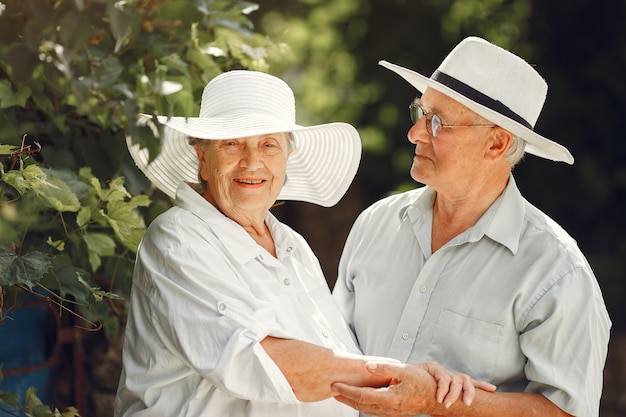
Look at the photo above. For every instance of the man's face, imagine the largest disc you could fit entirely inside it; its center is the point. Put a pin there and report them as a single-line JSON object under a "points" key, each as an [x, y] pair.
{"points": [[245, 175], [456, 156]]}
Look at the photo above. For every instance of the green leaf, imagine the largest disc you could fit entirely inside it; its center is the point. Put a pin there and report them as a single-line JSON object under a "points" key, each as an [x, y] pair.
{"points": [[74, 30], [26, 270], [9, 398], [58, 195], [69, 279], [70, 412], [121, 23], [83, 216], [129, 227], [6, 150], [9, 99], [116, 191], [95, 183], [58, 245], [74, 182], [108, 72], [30, 398], [26, 179], [98, 245], [141, 200]]}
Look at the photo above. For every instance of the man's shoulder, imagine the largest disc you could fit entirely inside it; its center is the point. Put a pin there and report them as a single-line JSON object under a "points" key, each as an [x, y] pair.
{"points": [[396, 200], [547, 236]]}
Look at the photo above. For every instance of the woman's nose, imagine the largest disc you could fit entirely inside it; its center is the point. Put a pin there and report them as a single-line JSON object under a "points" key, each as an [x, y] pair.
{"points": [[251, 158]]}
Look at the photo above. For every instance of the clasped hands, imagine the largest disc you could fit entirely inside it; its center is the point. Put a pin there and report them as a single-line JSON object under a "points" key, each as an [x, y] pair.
{"points": [[410, 389]]}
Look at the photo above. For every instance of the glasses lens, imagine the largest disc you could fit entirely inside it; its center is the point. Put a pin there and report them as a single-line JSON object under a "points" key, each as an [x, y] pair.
{"points": [[435, 124], [415, 111]]}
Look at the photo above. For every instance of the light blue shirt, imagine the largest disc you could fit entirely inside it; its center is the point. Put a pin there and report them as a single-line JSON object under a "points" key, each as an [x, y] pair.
{"points": [[511, 300], [204, 295]]}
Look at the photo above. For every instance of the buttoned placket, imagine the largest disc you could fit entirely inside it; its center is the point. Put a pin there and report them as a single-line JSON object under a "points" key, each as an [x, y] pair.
{"points": [[413, 313], [291, 283]]}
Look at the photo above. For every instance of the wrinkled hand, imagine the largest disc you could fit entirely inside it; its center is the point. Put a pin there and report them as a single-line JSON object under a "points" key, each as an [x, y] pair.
{"points": [[414, 389]]}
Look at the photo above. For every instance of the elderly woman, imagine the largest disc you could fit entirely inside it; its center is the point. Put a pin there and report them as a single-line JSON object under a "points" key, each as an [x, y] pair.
{"points": [[230, 313]]}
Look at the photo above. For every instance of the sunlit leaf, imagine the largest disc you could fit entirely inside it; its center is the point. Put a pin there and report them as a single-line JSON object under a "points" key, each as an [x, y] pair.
{"points": [[28, 178], [98, 245], [115, 191], [58, 195], [128, 226], [83, 216], [70, 412], [7, 150], [169, 87], [56, 244]]}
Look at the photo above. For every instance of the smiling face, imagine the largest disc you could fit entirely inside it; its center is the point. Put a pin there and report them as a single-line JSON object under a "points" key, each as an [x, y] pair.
{"points": [[245, 175]]}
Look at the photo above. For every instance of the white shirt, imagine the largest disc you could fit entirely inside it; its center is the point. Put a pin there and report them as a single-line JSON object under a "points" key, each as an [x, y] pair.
{"points": [[204, 295], [511, 300]]}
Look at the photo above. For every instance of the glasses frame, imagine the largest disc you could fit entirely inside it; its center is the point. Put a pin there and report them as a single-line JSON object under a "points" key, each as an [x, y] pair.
{"points": [[433, 121]]}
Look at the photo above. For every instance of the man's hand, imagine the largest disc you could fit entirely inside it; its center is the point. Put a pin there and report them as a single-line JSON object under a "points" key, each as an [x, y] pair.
{"points": [[414, 389]]}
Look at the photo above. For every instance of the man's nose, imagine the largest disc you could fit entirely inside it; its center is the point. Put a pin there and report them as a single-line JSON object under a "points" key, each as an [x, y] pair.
{"points": [[418, 132]]}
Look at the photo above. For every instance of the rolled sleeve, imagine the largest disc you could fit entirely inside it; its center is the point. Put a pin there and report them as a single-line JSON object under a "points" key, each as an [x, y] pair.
{"points": [[560, 365]]}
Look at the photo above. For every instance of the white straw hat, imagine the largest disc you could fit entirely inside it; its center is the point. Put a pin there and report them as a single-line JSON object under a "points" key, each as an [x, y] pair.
{"points": [[496, 84], [243, 103]]}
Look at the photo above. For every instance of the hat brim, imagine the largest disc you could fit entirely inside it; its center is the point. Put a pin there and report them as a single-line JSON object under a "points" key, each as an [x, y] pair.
{"points": [[320, 169], [535, 143]]}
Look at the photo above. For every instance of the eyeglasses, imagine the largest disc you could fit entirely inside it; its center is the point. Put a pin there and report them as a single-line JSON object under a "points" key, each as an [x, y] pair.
{"points": [[433, 121]]}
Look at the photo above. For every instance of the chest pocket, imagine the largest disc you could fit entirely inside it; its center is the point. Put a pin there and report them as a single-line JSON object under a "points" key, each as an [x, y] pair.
{"points": [[467, 345]]}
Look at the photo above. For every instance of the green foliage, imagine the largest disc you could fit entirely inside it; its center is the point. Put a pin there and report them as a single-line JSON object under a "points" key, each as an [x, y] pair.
{"points": [[320, 65], [57, 226], [501, 21], [74, 77]]}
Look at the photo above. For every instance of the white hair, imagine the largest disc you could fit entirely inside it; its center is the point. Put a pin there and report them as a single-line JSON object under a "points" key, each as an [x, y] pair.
{"points": [[516, 151]]}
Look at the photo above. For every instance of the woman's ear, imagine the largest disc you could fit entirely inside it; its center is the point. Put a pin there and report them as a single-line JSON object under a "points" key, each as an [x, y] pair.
{"points": [[200, 151]]}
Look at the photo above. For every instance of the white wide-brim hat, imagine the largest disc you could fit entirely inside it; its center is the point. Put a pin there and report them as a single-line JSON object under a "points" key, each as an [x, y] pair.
{"points": [[496, 84], [242, 103]]}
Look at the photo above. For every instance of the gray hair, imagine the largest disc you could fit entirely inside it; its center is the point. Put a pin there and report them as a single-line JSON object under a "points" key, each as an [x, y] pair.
{"points": [[201, 185], [515, 151]]}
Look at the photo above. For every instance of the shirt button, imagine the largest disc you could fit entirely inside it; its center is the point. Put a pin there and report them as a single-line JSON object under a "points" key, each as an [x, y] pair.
{"points": [[324, 333], [221, 306], [289, 249], [422, 289], [287, 281], [405, 336]]}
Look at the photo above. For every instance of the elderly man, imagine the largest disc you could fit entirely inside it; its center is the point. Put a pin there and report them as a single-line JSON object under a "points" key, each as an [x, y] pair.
{"points": [[465, 271]]}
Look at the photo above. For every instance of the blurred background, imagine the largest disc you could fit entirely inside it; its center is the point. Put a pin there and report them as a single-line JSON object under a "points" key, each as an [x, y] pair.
{"points": [[74, 73]]}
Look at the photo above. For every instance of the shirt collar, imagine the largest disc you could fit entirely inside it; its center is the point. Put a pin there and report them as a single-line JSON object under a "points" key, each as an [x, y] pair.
{"points": [[235, 239], [502, 222], [505, 225]]}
